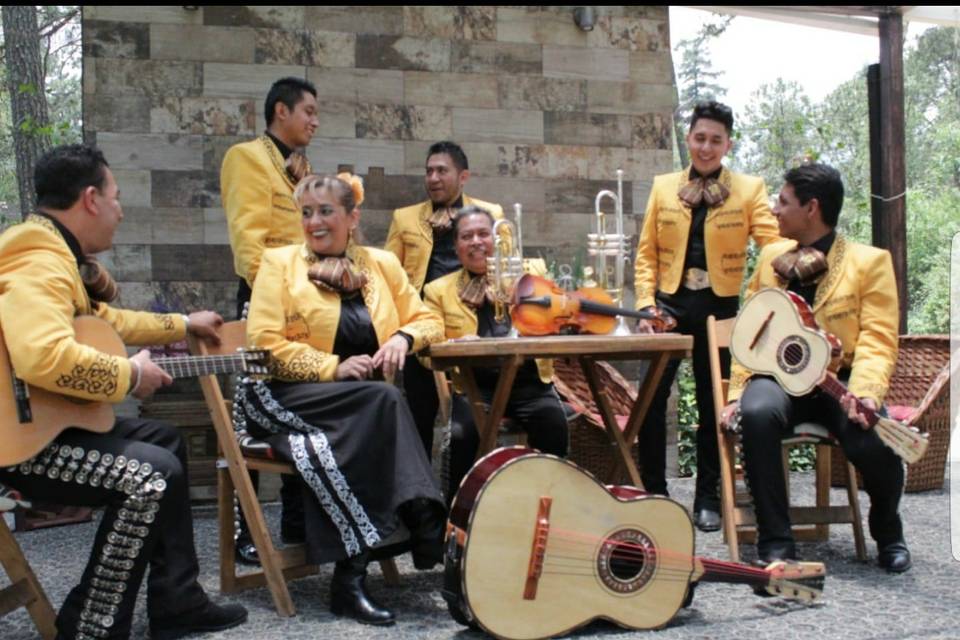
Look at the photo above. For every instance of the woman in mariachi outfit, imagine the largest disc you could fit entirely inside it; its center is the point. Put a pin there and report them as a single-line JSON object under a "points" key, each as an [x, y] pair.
{"points": [[339, 318]]}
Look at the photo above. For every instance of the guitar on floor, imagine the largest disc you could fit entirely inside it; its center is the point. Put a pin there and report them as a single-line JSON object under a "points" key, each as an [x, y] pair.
{"points": [[31, 417], [776, 334], [537, 547]]}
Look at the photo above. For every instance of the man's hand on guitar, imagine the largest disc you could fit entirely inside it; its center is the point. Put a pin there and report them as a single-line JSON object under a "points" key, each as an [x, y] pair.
{"points": [[730, 417], [205, 325], [849, 404], [146, 376]]}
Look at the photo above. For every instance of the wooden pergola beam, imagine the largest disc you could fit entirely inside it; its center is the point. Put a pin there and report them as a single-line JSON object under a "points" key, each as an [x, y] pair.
{"points": [[888, 202]]}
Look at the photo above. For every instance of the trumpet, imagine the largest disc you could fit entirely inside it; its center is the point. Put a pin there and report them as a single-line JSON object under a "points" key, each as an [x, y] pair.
{"points": [[505, 266], [604, 246]]}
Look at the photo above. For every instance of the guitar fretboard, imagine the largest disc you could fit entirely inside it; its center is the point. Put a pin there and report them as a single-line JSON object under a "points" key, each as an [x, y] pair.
{"points": [[191, 366], [836, 389]]}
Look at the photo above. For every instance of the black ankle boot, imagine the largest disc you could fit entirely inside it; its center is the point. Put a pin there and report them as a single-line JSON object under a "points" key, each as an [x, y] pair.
{"points": [[426, 521], [349, 597]]}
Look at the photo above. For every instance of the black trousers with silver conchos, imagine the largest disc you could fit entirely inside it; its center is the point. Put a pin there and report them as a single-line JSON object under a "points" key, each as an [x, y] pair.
{"points": [[138, 472]]}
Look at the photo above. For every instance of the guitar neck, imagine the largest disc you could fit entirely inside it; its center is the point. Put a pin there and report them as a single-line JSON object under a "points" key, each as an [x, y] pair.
{"points": [[720, 571], [194, 366], [837, 390], [795, 580]]}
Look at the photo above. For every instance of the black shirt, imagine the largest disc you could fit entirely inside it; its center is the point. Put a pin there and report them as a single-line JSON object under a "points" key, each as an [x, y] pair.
{"points": [[285, 151], [809, 292], [355, 334], [696, 257], [488, 327], [443, 258]]}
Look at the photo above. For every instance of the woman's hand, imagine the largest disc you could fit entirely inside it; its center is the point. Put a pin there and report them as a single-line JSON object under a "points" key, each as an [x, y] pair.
{"points": [[355, 368], [391, 355]]}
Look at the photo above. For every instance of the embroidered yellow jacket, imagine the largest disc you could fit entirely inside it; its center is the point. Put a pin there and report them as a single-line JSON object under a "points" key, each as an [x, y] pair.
{"points": [[257, 196], [459, 319], [410, 236], [856, 301], [297, 321], [662, 248], [41, 292]]}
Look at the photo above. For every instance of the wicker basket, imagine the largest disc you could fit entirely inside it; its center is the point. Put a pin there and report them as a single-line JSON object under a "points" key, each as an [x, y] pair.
{"points": [[590, 446], [921, 379]]}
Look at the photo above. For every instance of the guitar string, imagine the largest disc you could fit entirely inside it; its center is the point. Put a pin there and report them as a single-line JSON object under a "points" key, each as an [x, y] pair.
{"points": [[627, 550]]}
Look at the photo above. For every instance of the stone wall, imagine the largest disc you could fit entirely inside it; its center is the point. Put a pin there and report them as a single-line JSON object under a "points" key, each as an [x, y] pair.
{"points": [[545, 112]]}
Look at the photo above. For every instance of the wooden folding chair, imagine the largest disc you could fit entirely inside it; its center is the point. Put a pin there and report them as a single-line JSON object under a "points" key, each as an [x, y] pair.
{"points": [[233, 475], [25, 589], [808, 522]]}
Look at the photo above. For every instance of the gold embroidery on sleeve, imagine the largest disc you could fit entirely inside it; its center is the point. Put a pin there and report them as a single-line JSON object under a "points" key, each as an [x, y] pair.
{"points": [[99, 379]]}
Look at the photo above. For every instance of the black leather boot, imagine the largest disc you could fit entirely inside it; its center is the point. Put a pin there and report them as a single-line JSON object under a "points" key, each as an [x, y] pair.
{"points": [[349, 597], [426, 521]]}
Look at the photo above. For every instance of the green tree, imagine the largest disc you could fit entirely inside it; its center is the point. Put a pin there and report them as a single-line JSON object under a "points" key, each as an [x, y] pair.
{"points": [[40, 97], [777, 131], [697, 77]]}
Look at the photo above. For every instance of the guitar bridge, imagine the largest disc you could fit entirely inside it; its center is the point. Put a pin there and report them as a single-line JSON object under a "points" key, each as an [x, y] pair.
{"points": [[538, 550]]}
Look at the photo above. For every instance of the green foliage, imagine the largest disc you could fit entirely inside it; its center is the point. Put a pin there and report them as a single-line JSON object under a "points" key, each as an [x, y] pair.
{"points": [[777, 131], [687, 421], [782, 127], [695, 74], [60, 48], [802, 458]]}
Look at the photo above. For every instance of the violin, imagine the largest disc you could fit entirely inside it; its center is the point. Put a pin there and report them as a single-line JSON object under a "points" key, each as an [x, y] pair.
{"points": [[539, 308]]}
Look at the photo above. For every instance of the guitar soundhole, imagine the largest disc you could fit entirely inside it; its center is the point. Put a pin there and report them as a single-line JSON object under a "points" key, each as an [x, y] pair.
{"points": [[793, 354], [626, 561]]}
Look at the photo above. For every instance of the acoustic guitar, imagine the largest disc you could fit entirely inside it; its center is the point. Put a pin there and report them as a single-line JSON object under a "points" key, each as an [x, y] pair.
{"points": [[31, 417], [537, 547], [776, 334]]}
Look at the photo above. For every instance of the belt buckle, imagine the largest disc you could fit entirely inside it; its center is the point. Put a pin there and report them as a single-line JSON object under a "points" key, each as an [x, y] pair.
{"points": [[696, 279]]}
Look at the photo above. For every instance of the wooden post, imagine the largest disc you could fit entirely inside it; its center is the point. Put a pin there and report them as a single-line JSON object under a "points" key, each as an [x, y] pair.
{"points": [[876, 153], [889, 228]]}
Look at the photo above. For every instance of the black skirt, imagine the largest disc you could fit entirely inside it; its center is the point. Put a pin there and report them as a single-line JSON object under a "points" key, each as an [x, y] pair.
{"points": [[357, 449]]}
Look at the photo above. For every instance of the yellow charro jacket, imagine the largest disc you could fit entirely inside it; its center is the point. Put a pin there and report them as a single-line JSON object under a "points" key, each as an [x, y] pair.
{"points": [[459, 319], [410, 236], [662, 248], [41, 292], [856, 301], [257, 195], [297, 321]]}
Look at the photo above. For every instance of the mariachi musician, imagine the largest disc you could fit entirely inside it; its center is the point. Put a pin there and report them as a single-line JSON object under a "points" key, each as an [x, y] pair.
{"points": [[338, 319], [853, 294], [465, 302], [256, 183], [138, 469], [690, 265], [420, 235]]}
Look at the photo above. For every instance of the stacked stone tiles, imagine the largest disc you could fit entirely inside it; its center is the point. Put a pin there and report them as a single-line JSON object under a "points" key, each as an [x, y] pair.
{"points": [[545, 111]]}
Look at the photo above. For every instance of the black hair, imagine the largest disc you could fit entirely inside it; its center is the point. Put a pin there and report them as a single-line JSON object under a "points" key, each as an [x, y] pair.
{"points": [[713, 110], [453, 150], [62, 173], [289, 91], [820, 181], [466, 212]]}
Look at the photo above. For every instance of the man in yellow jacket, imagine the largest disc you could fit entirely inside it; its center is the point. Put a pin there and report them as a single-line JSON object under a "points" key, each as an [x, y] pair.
{"points": [[690, 264], [420, 235], [138, 469], [257, 180], [853, 294], [462, 299]]}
